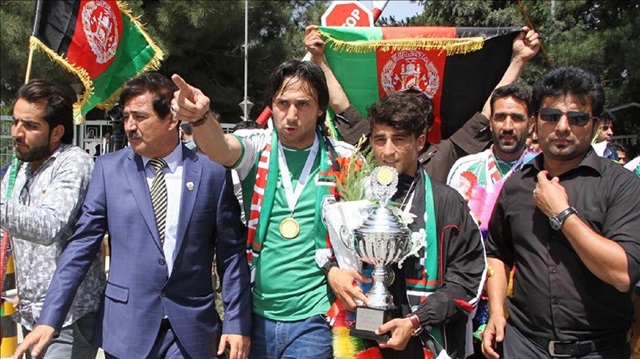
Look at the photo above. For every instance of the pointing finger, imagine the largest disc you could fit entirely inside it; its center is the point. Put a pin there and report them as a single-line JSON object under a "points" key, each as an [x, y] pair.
{"points": [[180, 82], [185, 91]]}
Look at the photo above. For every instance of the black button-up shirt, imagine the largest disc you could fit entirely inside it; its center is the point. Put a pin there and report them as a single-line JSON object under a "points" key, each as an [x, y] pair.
{"points": [[555, 295]]}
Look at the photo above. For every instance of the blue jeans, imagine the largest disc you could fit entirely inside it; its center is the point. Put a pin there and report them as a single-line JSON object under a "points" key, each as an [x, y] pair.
{"points": [[309, 338]]}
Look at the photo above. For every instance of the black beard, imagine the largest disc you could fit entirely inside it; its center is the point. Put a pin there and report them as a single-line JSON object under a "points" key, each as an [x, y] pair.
{"points": [[35, 154]]}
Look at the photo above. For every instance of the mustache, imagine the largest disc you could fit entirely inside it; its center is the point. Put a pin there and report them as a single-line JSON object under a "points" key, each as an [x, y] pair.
{"points": [[133, 134]]}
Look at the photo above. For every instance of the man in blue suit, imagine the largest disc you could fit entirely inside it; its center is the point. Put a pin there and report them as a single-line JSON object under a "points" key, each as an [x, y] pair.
{"points": [[159, 298]]}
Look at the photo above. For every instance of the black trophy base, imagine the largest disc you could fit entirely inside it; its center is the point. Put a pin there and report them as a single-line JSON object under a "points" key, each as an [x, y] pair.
{"points": [[369, 319]]}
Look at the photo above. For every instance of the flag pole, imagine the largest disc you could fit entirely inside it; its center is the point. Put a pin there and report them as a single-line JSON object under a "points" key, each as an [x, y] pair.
{"points": [[36, 21], [29, 62]]}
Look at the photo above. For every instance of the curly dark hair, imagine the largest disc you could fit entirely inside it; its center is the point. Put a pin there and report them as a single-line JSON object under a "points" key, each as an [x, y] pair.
{"points": [[514, 90], [409, 111], [159, 85]]}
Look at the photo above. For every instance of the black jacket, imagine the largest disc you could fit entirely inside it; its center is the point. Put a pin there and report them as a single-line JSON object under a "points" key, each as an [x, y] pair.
{"points": [[462, 267]]}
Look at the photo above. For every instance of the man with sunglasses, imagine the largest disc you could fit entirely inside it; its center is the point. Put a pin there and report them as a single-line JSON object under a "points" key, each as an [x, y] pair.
{"points": [[569, 222]]}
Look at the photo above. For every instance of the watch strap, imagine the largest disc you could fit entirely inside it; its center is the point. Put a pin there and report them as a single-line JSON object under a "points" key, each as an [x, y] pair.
{"points": [[566, 213]]}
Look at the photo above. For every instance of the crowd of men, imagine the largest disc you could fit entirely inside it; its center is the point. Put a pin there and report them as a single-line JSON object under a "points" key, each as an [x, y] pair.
{"points": [[559, 225]]}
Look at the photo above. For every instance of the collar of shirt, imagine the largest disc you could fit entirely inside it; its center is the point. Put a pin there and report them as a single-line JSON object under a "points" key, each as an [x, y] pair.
{"points": [[591, 160], [173, 159], [27, 167]]}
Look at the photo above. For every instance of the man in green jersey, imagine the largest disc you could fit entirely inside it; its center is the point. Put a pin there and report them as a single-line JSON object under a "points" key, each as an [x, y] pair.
{"points": [[286, 172]]}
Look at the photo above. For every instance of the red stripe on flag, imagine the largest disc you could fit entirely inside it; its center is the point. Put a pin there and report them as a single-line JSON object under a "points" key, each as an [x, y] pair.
{"points": [[404, 69], [98, 33]]}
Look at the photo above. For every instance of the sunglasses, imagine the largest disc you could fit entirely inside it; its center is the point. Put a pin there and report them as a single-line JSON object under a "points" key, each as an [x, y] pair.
{"points": [[576, 118]]}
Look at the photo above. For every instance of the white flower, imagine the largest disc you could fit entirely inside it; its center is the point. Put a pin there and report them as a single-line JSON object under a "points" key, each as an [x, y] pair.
{"points": [[418, 241], [404, 217]]}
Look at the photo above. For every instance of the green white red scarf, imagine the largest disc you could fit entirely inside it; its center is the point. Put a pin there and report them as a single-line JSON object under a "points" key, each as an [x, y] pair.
{"points": [[264, 191]]}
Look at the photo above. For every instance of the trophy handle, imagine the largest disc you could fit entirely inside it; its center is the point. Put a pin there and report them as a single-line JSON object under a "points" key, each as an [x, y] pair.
{"points": [[347, 238], [418, 241]]}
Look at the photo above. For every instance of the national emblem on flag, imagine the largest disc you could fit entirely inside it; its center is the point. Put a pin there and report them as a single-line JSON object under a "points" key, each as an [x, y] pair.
{"points": [[456, 67], [97, 40]]}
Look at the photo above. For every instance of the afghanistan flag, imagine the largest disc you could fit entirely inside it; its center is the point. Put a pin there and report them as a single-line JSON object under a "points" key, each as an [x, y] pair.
{"points": [[97, 40], [456, 67]]}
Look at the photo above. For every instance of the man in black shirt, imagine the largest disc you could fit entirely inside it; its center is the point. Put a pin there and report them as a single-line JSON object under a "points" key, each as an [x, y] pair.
{"points": [[569, 223]]}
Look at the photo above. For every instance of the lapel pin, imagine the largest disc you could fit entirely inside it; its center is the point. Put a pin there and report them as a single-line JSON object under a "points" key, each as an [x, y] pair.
{"points": [[190, 186]]}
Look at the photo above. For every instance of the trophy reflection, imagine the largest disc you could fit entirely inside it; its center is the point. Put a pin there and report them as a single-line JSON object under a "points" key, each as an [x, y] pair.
{"points": [[380, 241]]}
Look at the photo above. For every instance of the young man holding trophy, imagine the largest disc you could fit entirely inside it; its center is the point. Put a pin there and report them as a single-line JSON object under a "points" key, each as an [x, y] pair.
{"points": [[442, 282]]}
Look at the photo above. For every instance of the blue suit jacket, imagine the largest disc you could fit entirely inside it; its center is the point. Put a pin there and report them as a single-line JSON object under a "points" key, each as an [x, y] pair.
{"points": [[138, 291]]}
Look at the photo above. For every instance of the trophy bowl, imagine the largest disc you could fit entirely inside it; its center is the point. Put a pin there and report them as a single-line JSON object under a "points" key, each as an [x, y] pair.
{"points": [[380, 241]]}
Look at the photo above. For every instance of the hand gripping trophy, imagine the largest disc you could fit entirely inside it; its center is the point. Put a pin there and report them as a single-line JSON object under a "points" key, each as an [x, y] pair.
{"points": [[380, 241]]}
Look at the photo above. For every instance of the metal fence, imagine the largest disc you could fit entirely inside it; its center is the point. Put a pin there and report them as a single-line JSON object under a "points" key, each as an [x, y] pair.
{"points": [[626, 140], [5, 139], [80, 138]]}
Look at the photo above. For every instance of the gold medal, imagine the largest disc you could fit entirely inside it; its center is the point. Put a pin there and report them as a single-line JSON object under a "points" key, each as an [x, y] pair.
{"points": [[289, 228]]}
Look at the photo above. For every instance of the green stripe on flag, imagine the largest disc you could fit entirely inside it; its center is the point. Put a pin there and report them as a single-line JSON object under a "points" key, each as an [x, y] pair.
{"points": [[134, 55], [362, 66]]}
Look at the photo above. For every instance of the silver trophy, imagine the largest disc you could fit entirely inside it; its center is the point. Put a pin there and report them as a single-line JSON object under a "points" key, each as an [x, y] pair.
{"points": [[380, 241]]}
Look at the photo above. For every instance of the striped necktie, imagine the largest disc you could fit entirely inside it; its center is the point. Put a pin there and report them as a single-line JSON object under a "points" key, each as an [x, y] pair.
{"points": [[159, 195]]}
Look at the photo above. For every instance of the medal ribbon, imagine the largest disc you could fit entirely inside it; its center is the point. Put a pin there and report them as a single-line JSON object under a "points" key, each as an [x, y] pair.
{"points": [[264, 193], [294, 194]]}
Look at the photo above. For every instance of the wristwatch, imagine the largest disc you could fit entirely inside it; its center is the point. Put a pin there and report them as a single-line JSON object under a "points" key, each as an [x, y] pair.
{"points": [[557, 221]]}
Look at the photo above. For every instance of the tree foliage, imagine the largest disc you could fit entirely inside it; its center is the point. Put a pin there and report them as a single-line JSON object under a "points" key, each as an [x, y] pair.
{"points": [[16, 17]]}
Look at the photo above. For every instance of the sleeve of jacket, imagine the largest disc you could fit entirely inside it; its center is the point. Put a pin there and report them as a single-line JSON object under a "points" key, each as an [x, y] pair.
{"points": [[462, 263], [351, 125], [231, 262], [471, 138], [82, 248], [48, 222], [474, 136]]}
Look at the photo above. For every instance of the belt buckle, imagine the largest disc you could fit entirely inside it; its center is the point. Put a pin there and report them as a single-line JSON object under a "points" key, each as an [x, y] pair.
{"points": [[552, 349]]}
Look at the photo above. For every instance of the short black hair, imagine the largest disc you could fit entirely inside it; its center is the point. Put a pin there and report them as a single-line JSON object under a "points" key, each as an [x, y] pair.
{"points": [[304, 70], [607, 117], [515, 90], [161, 87], [58, 100], [246, 125], [409, 111], [570, 80]]}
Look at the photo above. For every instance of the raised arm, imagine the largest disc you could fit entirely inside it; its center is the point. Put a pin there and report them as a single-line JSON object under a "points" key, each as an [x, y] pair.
{"points": [[315, 46], [525, 47], [191, 105]]}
